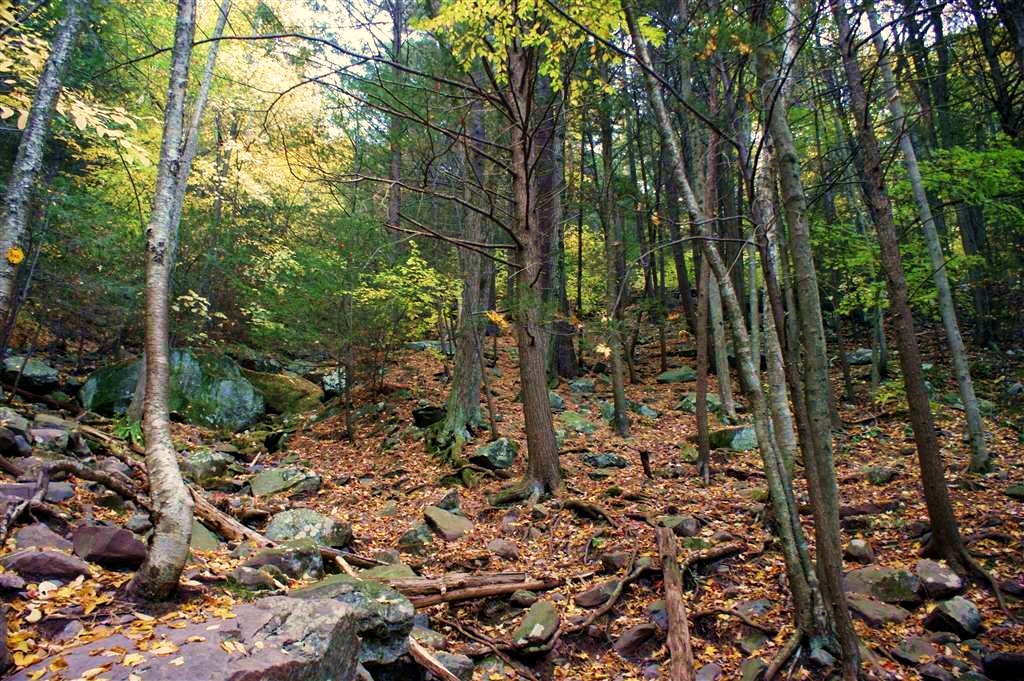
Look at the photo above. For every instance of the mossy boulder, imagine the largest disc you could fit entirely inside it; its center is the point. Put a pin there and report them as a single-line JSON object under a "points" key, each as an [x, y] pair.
{"points": [[285, 393], [207, 468], [688, 403], [305, 523], [678, 375], [497, 455], [738, 439], [31, 374], [285, 479], [575, 421], [206, 389]]}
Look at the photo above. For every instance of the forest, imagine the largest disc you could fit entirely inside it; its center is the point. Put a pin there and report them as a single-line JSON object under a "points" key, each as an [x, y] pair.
{"points": [[399, 340]]}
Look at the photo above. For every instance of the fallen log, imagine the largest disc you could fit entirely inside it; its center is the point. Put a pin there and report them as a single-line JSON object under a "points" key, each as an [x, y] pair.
{"points": [[483, 591], [426, 660], [423, 586], [681, 664]]}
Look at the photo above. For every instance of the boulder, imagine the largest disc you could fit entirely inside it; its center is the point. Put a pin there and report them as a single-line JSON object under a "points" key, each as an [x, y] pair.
{"points": [[604, 460], [304, 523], [889, 585], [424, 417], [497, 455], [875, 613], [859, 357], [859, 550], [450, 501], [416, 540], [574, 421], [203, 539], [384, 617], [597, 594], [629, 642], [55, 492], [459, 665], [14, 421], [915, 650], [206, 389], [613, 561], [688, 403], [879, 475], [111, 547], [1003, 666], [582, 386], [386, 572], [35, 565], [13, 443], [40, 536], [503, 548], [36, 376], [736, 438], [555, 401], [275, 638], [257, 579], [538, 625], [937, 580], [678, 375], [752, 669], [206, 468], [287, 479], [681, 525], [709, 672], [445, 523], [957, 615], [297, 559], [1015, 492], [285, 393], [334, 382]]}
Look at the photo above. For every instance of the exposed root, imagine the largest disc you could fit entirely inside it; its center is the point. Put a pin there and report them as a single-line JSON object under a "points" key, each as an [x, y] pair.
{"points": [[787, 651], [586, 509]]}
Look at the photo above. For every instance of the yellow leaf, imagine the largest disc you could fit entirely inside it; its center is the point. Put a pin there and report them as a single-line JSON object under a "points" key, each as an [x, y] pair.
{"points": [[164, 648], [15, 256], [133, 659], [94, 672], [33, 614]]}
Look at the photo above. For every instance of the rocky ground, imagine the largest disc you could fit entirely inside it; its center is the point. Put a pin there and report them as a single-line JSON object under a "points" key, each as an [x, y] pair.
{"points": [[565, 589]]}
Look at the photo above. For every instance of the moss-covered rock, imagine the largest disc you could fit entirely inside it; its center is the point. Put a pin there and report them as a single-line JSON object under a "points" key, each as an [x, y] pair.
{"points": [[285, 393]]}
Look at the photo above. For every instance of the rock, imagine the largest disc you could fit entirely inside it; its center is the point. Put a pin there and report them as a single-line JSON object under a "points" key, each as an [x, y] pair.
{"points": [[523, 598], [689, 403], [10, 583], [305, 523], [859, 357], [13, 421], [448, 525], [13, 444], [613, 561], [386, 572], [423, 345], [36, 376], [555, 401], [334, 382], [933, 672], [497, 455], [285, 393], [879, 475], [111, 547], [206, 468], [459, 665], [289, 479], [597, 594], [424, 417], [298, 559], [1015, 492], [53, 439], [658, 614], [416, 539], [296, 640], [582, 386], [202, 538], [957, 615], [55, 493], [35, 565], [384, 617], [752, 669], [915, 650], [539, 624], [681, 525], [937, 580], [886, 584], [678, 375], [604, 460], [428, 637], [575, 422], [503, 548], [709, 672], [875, 613], [261, 579], [859, 550], [40, 536], [631, 640], [1003, 666], [206, 389], [450, 501], [736, 438], [139, 523], [821, 658]]}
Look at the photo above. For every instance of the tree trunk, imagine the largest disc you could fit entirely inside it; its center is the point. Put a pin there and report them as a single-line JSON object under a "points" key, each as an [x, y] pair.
{"points": [[703, 435], [947, 309], [396, 9], [31, 149], [946, 541], [172, 504]]}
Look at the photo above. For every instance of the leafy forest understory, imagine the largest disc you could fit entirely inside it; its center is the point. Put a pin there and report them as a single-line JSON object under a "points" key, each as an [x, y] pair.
{"points": [[554, 339]]}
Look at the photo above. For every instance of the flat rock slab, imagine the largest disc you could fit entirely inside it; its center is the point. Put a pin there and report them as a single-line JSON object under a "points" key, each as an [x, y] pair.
{"points": [[447, 524], [111, 547], [937, 580], [35, 565], [277, 638], [38, 535], [875, 613], [891, 585]]}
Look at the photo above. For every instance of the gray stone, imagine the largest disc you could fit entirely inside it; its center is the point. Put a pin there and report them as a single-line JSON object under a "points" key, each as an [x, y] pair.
{"points": [[35, 375], [859, 357], [632, 640], [555, 401], [11, 583], [386, 572], [582, 386], [1007, 666], [915, 650], [429, 638], [35, 565], [752, 669], [890, 585], [957, 615], [285, 393], [736, 438], [503, 548], [681, 525], [447, 525], [879, 475], [384, 617], [284, 639], [298, 559], [14, 421], [202, 538], [206, 468], [40, 536], [450, 501], [334, 382], [1015, 492], [497, 455], [937, 580], [538, 625], [709, 672], [111, 547], [613, 561], [604, 460], [658, 613], [688, 403], [288, 479], [523, 598], [416, 539], [875, 613], [459, 665], [305, 523], [933, 672], [859, 550], [139, 523], [678, 375], [597, 594], [575, 422], [258, 579]]}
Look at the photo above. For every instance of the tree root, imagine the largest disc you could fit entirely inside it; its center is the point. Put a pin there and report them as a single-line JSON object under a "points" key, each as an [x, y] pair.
{"points": [[714, 612], [975, 568], [787, 651], [498, 649], [586, 509]]}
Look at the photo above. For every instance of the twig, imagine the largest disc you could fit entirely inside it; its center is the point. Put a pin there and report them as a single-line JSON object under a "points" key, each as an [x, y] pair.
{"points": [[681, 654]]}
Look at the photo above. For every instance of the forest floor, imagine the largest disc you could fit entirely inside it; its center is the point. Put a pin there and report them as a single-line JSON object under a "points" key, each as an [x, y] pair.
{"points": [[381, 486]]}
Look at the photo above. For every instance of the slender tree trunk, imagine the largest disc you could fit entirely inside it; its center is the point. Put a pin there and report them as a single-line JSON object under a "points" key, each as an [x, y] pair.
{"points": [[946, 541], [396, 8], [703, 435], [947, 309], [31, 149], [172, 504]]}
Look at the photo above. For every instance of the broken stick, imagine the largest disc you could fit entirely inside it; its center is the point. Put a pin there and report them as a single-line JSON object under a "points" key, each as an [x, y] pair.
{"points": [[681, 667]]}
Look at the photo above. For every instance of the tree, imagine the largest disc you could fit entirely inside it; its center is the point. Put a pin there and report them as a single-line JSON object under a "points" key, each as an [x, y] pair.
{"points": [[172, 503], [31, 150]]}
